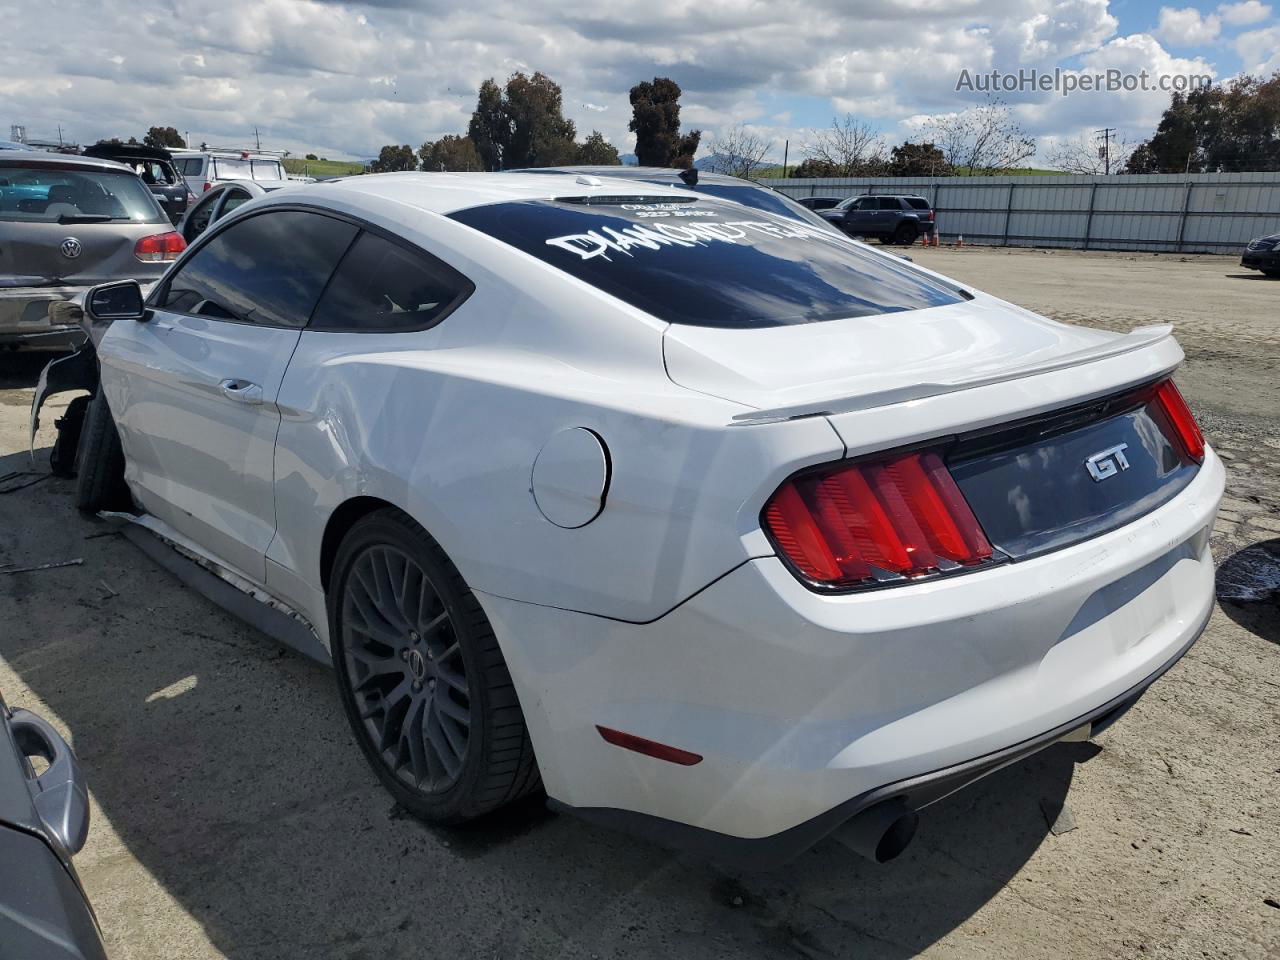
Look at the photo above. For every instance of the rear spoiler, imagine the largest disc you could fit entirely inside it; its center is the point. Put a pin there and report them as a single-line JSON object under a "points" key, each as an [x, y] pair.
{"points": [[1138, 339]]}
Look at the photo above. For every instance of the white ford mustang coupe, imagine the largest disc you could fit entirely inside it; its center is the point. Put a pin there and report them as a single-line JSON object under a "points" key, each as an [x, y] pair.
{"points": [[720, 527]]}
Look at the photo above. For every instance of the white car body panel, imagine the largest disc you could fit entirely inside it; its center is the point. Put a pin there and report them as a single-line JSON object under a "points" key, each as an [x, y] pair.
{"points": [[842, 694], [668, 615], [199, 460]]}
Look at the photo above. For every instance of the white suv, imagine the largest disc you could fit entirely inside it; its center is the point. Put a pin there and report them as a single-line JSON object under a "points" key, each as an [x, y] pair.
{"points": [[204, 168]]}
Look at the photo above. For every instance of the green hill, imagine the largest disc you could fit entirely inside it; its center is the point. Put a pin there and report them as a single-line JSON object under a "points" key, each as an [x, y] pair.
{"points": [[322, 168]]}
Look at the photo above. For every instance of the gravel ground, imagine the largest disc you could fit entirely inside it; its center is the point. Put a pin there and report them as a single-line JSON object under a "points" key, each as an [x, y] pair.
{"points": [[234, 817]]}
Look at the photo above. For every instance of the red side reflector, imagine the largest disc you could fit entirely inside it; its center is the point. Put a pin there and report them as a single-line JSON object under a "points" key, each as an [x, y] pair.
{"points": [[159, 247], [650, 748], [1184, 425], [901, 515]]}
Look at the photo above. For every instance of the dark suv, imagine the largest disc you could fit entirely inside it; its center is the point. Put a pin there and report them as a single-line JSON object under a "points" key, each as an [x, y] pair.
{"points": [[891, 218], [155, 166]]}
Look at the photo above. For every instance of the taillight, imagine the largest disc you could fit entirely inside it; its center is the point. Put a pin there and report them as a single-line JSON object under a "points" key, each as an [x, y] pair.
{"points": [[159, 247], [863, 523], [207, 185], [930, 217], [1184, 427]]}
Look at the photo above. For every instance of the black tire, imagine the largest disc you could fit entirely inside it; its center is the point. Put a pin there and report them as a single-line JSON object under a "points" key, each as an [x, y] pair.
{"points": [[100, 462], [905, 234], [62, 458], [496, 764]]}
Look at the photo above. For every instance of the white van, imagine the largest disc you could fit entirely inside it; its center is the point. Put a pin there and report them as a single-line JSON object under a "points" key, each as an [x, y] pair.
{"points": [[204, 168]]}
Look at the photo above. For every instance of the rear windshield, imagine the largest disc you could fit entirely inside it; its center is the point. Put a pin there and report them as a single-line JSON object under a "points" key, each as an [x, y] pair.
{"points": [[267, 170], [232, 168], [707, 263], [918, 203], [75, 195], [760, 198]]}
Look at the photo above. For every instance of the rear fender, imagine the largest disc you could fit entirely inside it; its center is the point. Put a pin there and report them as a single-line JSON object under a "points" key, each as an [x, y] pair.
{"points": [[78, 371]]}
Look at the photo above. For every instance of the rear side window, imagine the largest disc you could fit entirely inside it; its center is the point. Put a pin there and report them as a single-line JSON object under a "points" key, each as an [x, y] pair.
{"points": [[268, 269], [917, 203], [889, 203], [382, 286], [190, 166], [708, 263]]}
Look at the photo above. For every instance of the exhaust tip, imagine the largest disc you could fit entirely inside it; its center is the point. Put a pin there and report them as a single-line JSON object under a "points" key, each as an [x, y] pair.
{"points": [[880, 833], [898, 837]]}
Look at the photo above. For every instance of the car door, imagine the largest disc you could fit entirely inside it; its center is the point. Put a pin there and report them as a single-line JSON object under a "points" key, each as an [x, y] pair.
{"points": [[889, 215], [193, 389], [860, 217]]}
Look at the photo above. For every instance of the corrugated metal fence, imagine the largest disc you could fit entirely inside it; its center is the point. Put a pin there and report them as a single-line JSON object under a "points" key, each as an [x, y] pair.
{"points": [[1192, 213]]}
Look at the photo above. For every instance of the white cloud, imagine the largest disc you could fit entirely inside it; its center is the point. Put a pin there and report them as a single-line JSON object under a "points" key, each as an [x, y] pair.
{"points": [[343, 77], [1244, 14], [1185, 27], [1260, 51]]}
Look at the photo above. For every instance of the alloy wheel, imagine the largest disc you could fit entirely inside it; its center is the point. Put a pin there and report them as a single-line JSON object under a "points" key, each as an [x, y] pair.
{"points": [[405, 668]]}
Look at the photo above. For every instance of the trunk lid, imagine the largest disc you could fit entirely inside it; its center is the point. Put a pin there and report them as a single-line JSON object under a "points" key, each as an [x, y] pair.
{"points": [[862, 362], [33, 249]]}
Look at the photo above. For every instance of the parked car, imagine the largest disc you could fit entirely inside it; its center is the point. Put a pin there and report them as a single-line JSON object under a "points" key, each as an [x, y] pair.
{"points": [[205, 168], [155, 166], [818, 203], [1263, 254], [44, 821], [724, 529], [747, 192], [220, 200], [890, 219], [67, 223]]}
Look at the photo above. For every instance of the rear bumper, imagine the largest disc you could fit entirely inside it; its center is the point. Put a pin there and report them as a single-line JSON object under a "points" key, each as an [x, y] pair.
{"points": [[765, 853], [806, 708], [25, 321]]}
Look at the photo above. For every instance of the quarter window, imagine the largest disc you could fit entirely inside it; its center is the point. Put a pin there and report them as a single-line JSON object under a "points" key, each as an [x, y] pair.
{"points": [[268, 269], [383, 286]]}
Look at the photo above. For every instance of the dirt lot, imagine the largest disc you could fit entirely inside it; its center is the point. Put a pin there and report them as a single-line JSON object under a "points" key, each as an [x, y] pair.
{"points": [[234, 816]]}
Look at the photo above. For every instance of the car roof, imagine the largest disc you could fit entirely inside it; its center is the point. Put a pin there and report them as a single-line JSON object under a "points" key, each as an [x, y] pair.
{"points": [[110, 151], [227, 153], [446, 193], [28, 158]]}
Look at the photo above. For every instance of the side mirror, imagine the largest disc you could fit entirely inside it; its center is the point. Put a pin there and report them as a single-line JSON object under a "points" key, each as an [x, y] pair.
{"points": [[118, 300]]}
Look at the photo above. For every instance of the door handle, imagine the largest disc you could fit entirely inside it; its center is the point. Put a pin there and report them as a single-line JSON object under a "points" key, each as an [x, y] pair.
{"points": [[241, 391]]}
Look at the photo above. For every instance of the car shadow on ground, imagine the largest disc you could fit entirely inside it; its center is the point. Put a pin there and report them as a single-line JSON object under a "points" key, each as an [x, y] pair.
{"points": [[1248, 587], [224, 764], [1250, 276]]}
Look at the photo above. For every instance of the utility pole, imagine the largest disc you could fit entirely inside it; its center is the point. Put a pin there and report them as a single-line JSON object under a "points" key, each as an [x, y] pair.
{"points": [[257, 139], [1106, 148], [786, 146]]}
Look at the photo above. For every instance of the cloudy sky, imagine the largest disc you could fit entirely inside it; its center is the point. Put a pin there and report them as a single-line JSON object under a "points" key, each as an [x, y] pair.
{"points": [[342, 78]]}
